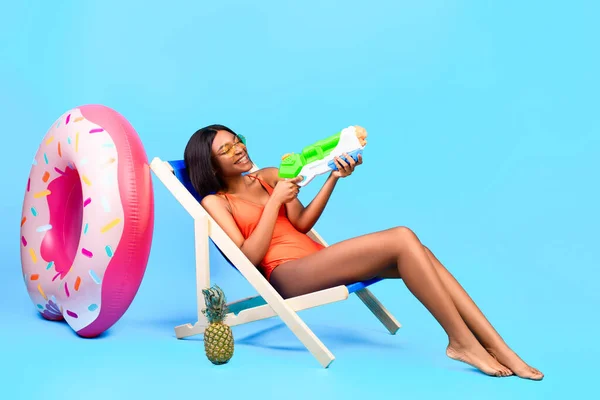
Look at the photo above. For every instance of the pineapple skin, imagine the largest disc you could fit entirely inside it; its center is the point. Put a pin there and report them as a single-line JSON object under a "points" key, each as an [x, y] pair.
{"points": [[218, 343]]}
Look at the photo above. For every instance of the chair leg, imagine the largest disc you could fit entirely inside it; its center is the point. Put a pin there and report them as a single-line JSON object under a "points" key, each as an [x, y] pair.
{"points": [[382, 314], [187, 330], [202, 278], [201, 238]]}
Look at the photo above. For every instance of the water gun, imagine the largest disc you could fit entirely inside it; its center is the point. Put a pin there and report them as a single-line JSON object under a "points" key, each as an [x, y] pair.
{"points": [[318, 158]]}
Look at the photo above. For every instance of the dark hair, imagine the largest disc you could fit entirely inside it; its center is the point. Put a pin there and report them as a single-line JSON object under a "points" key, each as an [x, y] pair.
{"points": [[198, 160]]}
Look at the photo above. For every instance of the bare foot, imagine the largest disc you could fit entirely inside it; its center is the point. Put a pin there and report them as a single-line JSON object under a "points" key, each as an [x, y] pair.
{"points": [[477, 357], [509, 358]]}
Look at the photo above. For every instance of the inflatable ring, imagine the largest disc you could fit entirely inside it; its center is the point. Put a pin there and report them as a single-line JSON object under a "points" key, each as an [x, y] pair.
{"points": [[88, 219]]}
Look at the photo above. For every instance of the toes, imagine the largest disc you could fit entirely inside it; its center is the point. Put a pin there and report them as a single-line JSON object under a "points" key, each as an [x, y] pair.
{"points": [[503, 372], [536, 373]]}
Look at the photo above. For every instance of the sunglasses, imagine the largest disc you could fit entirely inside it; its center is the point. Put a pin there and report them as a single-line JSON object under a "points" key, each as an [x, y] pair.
{"points": [[229, 148]]}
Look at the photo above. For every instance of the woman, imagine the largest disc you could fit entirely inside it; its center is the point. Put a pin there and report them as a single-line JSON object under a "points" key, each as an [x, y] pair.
{"points": [[262, 215]]}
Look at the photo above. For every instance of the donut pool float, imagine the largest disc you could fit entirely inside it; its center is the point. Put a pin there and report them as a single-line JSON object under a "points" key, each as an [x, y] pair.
{"points": [[87, 220]]}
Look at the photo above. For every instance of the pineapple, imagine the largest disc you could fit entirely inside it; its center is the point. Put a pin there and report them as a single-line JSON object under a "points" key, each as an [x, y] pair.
{"points": [[218, 338]]}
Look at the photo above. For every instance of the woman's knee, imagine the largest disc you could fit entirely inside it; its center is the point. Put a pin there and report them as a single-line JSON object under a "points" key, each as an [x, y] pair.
{"points": [[404, 239], [404, 234]]}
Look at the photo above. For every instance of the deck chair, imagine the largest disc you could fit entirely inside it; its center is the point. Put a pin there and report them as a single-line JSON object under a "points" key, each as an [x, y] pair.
{"points": [[268, 303]]}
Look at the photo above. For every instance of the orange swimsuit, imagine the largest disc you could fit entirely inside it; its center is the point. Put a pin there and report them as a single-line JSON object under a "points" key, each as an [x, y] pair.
{"points": [[287, 243]]}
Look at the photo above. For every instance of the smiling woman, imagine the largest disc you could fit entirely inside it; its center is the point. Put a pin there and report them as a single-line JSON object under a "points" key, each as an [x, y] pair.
{"points": [[261, 213]]}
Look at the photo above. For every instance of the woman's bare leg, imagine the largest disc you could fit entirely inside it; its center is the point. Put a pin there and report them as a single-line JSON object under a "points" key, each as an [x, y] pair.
{"points": [[370, 255], [480, 326]]}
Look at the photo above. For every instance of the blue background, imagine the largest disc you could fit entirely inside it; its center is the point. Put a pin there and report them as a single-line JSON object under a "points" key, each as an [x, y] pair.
{"points": [[484, 139]]}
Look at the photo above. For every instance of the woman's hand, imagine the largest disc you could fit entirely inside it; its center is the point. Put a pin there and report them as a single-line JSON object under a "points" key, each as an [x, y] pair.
{"points": [[345, 168], [286, 190]]}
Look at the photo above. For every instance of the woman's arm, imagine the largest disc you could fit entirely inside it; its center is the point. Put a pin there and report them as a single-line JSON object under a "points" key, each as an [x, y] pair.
{"points": [[304, 218], [256, 245]]}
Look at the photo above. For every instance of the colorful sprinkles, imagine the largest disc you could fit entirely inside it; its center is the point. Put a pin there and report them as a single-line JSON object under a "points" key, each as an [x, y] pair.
{"points": [[43, 193], [33, 256], [95, 277], [43, 228], [110, 225], [39, 287]]}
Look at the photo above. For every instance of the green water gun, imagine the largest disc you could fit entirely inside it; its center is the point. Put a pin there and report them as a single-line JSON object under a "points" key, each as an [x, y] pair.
{"points": [[318, 158]]}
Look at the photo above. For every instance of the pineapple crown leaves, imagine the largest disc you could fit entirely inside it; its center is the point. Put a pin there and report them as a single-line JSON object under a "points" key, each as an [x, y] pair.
{"points": [[216, 304]]}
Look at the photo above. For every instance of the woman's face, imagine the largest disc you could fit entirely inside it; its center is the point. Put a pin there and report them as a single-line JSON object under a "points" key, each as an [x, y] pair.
{"points": [[230, 154]]}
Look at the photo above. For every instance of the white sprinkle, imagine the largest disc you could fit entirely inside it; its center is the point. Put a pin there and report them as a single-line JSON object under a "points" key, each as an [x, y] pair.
{"points": [[105, 204], [43, 228]]}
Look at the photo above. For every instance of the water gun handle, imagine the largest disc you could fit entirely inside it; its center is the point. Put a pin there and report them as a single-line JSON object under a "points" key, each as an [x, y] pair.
{"points": [[318, 158]]}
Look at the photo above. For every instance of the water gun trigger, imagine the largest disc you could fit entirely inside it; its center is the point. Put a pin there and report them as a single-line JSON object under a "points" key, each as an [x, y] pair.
{"points": [[305, 180]]}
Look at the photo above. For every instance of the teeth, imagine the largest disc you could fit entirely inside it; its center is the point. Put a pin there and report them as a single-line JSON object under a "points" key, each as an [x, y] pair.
{"points": [[242, 159]]}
